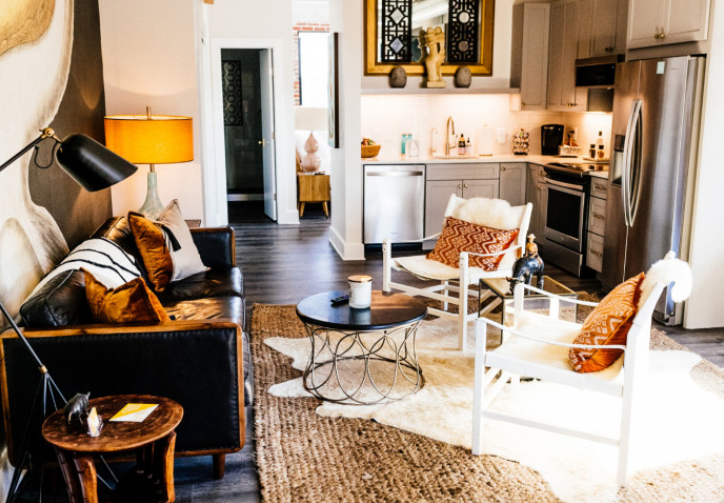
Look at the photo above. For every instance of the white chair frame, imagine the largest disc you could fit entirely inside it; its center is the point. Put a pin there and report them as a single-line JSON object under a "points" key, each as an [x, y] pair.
{"points": [[503, 369], [461, 285]]}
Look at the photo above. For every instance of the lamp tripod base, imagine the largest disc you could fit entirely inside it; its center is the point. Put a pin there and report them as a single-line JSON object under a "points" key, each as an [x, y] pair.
{"points": [[152, 206]]}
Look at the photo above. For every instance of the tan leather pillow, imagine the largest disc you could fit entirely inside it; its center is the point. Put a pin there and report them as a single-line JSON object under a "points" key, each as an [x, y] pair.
{"points": [[132, 302], [156, 255], [458, 236], [608, 324]]}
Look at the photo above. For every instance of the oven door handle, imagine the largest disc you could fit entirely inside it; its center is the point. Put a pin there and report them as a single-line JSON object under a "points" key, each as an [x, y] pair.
{"points": [[572, 186]]}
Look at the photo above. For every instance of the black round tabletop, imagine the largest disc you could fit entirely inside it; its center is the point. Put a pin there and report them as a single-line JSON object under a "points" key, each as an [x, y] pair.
{"points": [[388, 310]]}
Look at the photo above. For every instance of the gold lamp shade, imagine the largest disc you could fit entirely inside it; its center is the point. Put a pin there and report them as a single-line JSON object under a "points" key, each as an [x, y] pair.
{"points": [[160, 139]]}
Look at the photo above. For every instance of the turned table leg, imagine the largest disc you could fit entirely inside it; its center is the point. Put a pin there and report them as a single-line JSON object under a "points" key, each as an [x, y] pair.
{"points": [[87, 476], [219, 466]]}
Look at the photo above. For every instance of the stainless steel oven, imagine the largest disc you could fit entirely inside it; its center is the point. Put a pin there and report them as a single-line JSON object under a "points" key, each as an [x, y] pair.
{"points": [[565, 213]]}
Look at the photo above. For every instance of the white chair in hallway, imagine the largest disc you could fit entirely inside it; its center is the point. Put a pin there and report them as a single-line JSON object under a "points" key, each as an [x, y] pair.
{"points": [[537, 346], [452, 284]]}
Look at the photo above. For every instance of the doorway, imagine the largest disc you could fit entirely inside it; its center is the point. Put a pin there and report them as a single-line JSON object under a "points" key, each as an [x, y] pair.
{"points": [[247, 95]]}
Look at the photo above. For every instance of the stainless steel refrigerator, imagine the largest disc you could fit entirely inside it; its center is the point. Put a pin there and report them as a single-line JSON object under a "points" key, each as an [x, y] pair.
{"points": [[656, 115]]}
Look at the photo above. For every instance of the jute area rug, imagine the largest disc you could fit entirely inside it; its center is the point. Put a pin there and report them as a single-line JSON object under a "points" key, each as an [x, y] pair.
{"points": [[306, 457]]}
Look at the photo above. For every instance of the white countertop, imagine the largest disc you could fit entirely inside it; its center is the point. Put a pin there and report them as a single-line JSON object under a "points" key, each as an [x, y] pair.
{"points": [[534, 159]]}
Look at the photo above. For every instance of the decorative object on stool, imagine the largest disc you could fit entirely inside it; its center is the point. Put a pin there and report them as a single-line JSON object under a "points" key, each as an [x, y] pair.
{"points": [[360, 291], [432, 44], [95, 423], [151, 139], [311, 119], [463, 77], [94, 167], [77, 407], [398, 77], [529, 264]]}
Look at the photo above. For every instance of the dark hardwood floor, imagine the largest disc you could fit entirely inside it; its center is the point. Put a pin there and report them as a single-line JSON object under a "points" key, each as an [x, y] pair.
{"points": [[282, 264]]}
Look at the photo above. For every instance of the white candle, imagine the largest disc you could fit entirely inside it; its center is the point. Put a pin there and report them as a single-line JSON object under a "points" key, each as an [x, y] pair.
{"points": [[360, 291]]}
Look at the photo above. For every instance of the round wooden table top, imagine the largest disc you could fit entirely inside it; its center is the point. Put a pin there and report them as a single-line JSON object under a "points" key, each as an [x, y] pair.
{"points": [[115, 435], [388, 310]]}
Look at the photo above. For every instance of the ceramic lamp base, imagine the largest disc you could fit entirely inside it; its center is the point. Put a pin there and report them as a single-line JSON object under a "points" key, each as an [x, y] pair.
{"points": [[152, 206]]}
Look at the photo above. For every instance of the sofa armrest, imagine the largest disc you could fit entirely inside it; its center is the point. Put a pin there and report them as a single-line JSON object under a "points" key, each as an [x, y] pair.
{"points": [[198, 364], [217, 245]]}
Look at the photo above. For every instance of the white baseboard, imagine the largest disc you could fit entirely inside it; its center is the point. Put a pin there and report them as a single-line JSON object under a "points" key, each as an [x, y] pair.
{"points": [[347, 251], [288, 217]]}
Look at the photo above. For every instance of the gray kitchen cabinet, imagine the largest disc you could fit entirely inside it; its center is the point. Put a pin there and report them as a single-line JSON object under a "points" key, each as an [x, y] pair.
{"points": [[513, 182], [603, 28], [659, 22], [529, 58], [563, 50], [596, 224], [537, 195]]}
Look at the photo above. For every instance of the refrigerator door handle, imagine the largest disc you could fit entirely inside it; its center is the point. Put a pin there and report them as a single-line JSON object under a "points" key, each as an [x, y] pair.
{"points": [[634, 189], [627, 158]]}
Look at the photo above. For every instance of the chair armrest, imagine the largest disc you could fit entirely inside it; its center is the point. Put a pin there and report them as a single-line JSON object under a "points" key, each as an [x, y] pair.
{"points": [[198, 364], [388, 240], [552, 343], [494, 254], [217, 245]]}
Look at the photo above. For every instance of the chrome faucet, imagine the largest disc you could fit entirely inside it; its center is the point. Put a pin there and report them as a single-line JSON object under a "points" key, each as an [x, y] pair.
{"points": [[432, 150], [448, 145]]}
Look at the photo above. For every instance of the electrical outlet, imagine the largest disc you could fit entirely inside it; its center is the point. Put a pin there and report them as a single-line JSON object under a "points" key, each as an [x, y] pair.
{"points": [[501, 135]]}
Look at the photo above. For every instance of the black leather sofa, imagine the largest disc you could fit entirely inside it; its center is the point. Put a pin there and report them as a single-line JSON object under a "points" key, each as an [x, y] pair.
{"points": [[197, 359]]}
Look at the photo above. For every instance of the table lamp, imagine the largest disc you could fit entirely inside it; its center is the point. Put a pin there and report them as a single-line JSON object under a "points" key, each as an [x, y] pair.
{"points": [[151, 139], [311, 119]]}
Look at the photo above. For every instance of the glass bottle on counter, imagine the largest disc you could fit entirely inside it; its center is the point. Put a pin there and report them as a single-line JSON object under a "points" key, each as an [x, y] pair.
{"points": [[600, 154], [461, 145]]}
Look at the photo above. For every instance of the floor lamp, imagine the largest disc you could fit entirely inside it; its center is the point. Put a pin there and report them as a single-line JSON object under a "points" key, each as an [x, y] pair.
{"points": [[151, 139], [94, 167]]}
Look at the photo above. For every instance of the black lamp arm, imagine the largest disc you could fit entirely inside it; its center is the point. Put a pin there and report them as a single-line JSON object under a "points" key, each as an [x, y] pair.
{"points": [[45, 133], [16, 328]]}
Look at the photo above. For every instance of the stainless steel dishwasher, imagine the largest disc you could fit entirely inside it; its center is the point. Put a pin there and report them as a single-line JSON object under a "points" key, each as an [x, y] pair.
{"points": [[394, 202]]}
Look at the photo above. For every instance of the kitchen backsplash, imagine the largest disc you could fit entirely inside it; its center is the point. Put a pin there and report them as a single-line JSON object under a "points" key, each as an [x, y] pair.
{"points": [[386, 117]]}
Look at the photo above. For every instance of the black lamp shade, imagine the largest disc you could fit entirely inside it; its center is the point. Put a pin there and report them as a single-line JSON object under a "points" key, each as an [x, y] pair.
{"points": [[91, 164]]}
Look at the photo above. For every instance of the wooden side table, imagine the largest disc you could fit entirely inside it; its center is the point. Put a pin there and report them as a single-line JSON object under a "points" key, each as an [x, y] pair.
{"points": [[313, 189], [153, 439]]}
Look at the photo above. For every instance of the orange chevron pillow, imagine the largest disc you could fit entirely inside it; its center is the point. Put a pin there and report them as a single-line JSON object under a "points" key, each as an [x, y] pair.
{"points": [[459, 236], [608, 324]]}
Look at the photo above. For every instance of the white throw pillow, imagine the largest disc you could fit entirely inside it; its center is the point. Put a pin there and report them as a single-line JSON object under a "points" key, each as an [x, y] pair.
{"points": [[184, 253]]}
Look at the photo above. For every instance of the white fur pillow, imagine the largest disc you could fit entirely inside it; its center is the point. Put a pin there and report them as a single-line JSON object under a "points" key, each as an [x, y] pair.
{"points": [[186, 259], [495, 213]]}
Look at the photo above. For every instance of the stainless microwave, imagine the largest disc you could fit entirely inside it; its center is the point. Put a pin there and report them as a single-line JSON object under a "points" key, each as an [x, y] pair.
{"points": [[596, 72]]}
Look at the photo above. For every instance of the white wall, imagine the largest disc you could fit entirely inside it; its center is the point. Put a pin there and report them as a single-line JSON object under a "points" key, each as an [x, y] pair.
{"points": [[346, 179], [704, 308], [310, 11], [149, 59], [270, 20]]}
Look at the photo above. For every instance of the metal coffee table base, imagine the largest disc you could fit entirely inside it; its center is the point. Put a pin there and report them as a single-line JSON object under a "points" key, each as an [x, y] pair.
{"points": [[327, 371]]}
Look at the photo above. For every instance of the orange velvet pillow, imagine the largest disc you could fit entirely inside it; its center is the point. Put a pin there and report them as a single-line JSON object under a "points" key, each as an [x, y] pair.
{"points": [[151, 243], [608, 324], [459, 236], [130, 303]]}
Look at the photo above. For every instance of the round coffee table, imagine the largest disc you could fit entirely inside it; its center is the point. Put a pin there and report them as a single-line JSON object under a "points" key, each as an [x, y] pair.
{"points": [[383, 333], [154, 440]]}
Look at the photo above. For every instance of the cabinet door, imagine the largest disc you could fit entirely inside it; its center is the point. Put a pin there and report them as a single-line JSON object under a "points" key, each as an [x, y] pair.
{"points": [[571, 23], [645, 23], [534, 56], [437, 194], [541, 224], [513, 182], [603, 33], [555, 56], [480, 188], [686, 21]]}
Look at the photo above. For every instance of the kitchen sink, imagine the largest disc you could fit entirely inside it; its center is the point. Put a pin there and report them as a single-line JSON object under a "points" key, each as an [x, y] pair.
{"points": [[455, 156]]}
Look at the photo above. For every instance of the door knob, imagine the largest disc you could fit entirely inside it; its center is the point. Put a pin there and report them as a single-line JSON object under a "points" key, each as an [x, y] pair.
{"points": [[262, 142], [460, 186], [465, 186]]}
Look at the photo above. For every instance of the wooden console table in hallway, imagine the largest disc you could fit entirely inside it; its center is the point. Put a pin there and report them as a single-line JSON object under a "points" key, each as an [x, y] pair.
{"points": [[313, 189]]}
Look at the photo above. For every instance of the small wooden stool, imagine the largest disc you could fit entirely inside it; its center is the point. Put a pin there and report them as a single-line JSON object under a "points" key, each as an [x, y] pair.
{"points": [[313, 189], [153, 439]]}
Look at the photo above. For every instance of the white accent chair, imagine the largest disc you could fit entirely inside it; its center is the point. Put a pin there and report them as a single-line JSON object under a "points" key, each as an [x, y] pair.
{"points": [[494, 213], [537, 346]]}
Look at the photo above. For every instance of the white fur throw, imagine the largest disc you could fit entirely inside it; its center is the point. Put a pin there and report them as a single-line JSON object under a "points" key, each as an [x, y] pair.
{"points": [[494, 213], [665, 271]]}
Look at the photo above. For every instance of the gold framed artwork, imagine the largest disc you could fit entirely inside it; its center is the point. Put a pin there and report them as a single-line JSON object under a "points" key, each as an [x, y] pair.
{"points": [[392, 29]]}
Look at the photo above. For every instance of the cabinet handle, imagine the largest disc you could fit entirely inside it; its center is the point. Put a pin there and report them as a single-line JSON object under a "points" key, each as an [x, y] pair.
{"points": [[599, 187], [596, 253], [503, 168], [465, 186], [600, 217], [460, 185], [660, 36], [609, 49]]}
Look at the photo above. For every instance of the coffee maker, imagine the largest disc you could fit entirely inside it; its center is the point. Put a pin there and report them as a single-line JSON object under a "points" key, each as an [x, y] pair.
{"points": [[551, 138]]}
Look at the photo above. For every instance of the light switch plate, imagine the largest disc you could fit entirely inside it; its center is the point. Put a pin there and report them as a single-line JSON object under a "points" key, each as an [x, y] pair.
{"points": [[501, 135]]}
